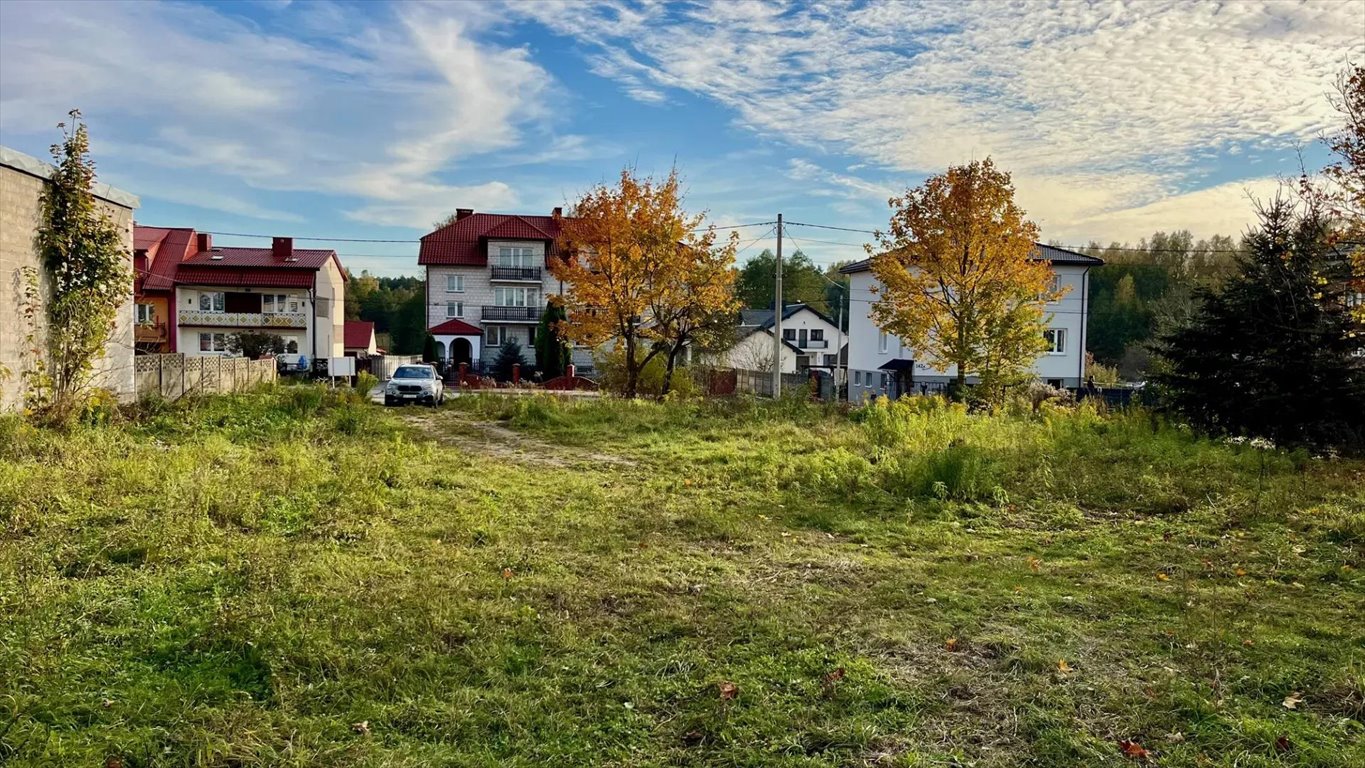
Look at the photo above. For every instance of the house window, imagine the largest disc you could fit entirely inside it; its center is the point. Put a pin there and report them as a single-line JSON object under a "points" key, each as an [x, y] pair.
{"points": [[1056, 341], [454, 309], [146, 314], [515, 256], [293, 305], [213, 342], [789, 334], [275, 302], [883, 343], [884, 381], [1054, 283], [497, 335], [454, 284], [513, 297], [817, 334], [857, 378], [831, 360], [212, 302]]}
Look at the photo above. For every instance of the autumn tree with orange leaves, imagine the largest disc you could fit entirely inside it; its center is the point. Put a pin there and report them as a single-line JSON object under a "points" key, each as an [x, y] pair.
{"points": [[637, 273], [958, 283]]}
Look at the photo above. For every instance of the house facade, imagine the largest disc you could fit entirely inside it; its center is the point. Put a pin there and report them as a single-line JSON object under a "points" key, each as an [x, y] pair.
{"points": [[810, 340], [359, 339], [22, 179], [298, 294], [157, 253], [881, 364], [488, 283]]}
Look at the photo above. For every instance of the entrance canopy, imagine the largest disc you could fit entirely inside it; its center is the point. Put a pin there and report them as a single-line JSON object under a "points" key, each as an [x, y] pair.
{"points": [[459, 341]]}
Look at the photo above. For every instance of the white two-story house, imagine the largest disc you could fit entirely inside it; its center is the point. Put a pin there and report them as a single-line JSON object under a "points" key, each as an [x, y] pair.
{"points": [[487, 283], [296, 294], [880, 363], [810, 340]]}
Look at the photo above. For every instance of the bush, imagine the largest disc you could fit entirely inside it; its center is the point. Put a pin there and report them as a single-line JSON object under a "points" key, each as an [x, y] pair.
{"points": [[611, 376]]}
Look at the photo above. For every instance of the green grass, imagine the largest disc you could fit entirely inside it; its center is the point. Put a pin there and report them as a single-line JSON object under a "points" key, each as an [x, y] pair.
{"points": [[244, 580]]}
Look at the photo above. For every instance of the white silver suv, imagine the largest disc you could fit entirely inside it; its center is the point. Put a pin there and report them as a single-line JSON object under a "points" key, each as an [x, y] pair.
{"points": [[414, 384]]}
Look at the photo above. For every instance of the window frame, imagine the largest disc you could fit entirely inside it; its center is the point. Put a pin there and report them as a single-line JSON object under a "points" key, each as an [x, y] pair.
{"points": [[458, 281], [459, 309], [213, 301], [217, 341], [1056, 339], [883, 343], [145, 314]]}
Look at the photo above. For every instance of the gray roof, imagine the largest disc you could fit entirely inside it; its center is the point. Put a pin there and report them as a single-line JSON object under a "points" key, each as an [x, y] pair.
{"points": [[13, 158], [763, 318], [1049, 253]]}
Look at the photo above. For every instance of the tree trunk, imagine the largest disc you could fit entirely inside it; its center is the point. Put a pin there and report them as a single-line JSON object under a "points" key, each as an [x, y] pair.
{"points": [[668, 369], [632, 371]]}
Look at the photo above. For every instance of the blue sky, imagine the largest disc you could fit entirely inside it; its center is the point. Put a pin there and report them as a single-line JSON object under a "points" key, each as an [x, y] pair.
{"points": [[371, 120]]}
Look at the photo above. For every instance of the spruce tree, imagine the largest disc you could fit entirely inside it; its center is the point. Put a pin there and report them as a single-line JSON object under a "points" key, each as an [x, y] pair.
{"points": [[509, 354], [1275, 352]]}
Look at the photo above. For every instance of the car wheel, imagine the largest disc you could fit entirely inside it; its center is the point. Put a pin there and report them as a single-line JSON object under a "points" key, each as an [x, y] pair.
{"points": [[388, 401], [441, 400]]}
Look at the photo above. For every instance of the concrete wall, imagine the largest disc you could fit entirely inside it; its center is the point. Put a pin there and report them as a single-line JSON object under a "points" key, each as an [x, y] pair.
{"points": [[331, 310], [865, 356], [176, 375], [21, 184]]}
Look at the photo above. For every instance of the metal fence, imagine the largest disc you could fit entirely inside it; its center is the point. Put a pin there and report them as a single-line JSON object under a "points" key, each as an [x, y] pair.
{"points": [[740, 381], [173, 376]]}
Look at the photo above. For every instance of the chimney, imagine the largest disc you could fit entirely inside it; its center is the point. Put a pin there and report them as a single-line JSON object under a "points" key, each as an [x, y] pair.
{"points": [[461, 213], [282, 248], [558, 212], [205, 242]]}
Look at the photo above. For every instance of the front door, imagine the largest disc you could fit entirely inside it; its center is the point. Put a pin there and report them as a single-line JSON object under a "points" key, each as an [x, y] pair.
{"points": [[461, 351]]}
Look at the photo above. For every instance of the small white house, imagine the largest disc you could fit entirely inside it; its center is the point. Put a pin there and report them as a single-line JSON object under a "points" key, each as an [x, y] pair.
{"points": [[881, 364], [810, 340]]}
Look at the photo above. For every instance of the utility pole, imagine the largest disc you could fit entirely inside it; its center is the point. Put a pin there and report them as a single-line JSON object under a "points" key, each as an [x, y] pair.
{"points": [[777, 317]]}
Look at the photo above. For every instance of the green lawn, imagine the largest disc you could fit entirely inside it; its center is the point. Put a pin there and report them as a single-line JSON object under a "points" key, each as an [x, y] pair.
{"points": [[286, 578]]}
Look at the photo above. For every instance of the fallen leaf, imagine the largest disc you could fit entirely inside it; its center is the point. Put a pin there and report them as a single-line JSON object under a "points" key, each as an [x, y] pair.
{"points": [[1282, 744], [1034, 563], [1240, 572], [834, 676], [692, 738], [1133, 749], [1162, 577], [1292, 700], [362, 727], [113, 762], [950, 644], [1062, 666], [507, 573], [728, 691]]}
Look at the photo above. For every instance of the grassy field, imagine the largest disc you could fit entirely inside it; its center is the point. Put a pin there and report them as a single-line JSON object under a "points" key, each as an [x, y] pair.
{"points": [[286, 578]]}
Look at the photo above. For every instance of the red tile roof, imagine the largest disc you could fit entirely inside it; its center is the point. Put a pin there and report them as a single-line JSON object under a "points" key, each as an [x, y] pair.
{"points": [[166, 247], [465, 242], [455, 328], [358, 334], [304, 258], [244, 277]]}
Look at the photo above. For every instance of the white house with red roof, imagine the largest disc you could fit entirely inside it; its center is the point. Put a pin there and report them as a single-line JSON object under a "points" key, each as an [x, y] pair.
{"points": [[213, 292], [360, 338], [487, 282]]}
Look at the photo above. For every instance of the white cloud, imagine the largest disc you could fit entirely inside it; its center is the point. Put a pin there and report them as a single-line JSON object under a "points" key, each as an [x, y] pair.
{"points": [[383, 109], [1096, 108]]}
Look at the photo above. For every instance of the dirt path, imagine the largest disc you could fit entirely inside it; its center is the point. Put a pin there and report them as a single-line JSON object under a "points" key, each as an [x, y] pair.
{"points": [[490, 439]]}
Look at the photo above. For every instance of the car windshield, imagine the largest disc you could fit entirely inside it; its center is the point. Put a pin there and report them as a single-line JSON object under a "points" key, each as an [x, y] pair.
{"points": [[412, 373]]}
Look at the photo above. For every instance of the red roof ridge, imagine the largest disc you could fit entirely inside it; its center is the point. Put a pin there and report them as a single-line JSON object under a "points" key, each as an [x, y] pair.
{"points": [[455, 327]]}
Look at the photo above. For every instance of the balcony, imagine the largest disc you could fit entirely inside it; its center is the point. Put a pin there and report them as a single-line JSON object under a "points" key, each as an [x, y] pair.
{"points": [[244, 319], [517, 274], [149, 332], [510, 314], [814, 344]]}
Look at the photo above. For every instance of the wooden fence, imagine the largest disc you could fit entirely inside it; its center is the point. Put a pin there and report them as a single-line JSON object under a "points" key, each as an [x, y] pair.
{"points": [[177, 375]]}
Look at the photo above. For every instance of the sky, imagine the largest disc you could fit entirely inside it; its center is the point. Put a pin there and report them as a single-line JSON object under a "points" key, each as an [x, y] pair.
{"points": [[373, 120]]}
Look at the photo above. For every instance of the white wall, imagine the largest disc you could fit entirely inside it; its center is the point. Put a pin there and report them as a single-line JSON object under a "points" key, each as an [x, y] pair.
{"points": [[809, 320], [865, 355], [755, 353], [187, 337]]}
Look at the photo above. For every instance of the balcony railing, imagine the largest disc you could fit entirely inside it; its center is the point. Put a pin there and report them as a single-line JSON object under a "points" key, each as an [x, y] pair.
{"points": [[814, 344], [531, 274], [149, 332], [245, 319], [511, 314]]}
